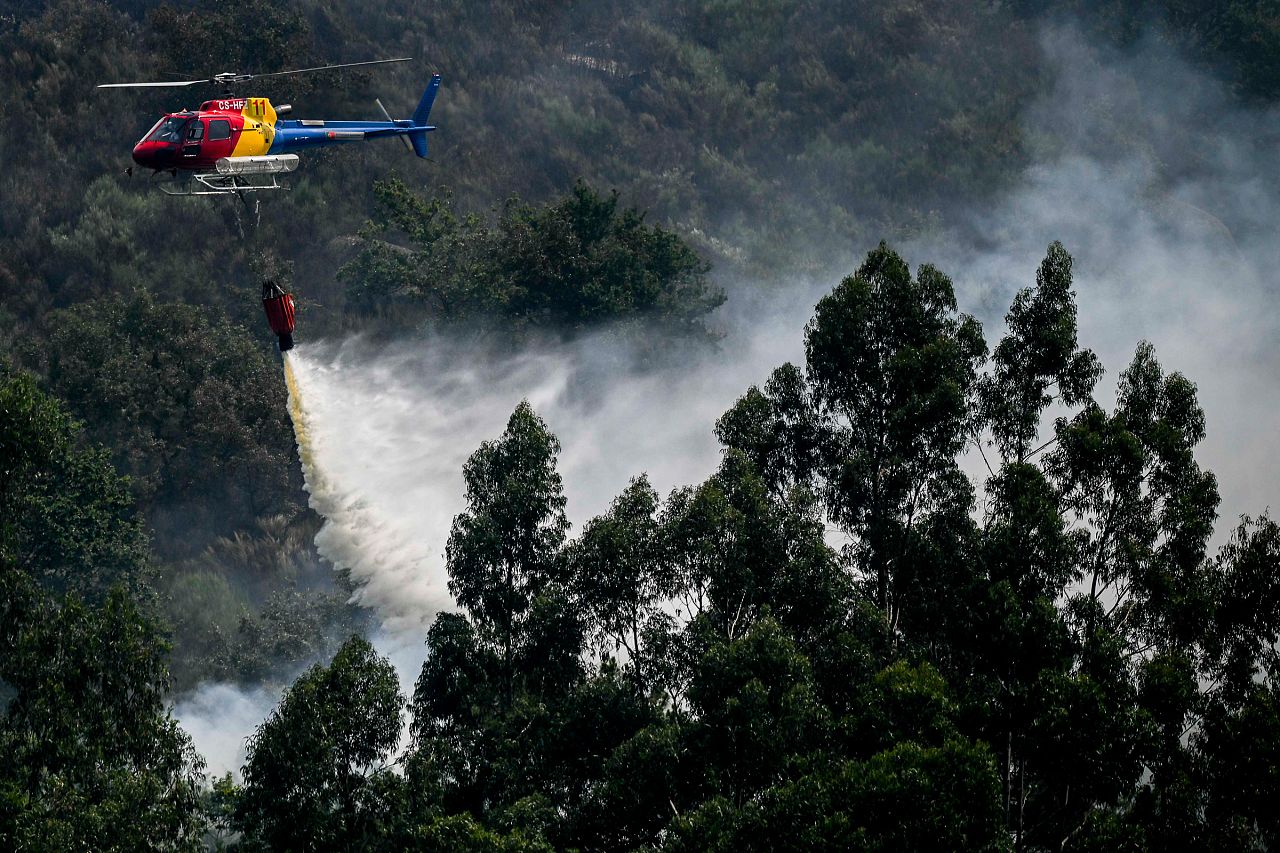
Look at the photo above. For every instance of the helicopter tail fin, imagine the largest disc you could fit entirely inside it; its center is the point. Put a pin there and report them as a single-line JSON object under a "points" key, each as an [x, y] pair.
{"points": [[418, 135], [423, 112]]}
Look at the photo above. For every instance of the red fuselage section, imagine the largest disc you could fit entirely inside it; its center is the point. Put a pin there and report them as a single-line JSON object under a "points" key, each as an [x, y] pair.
{"points": [[195, 141]]}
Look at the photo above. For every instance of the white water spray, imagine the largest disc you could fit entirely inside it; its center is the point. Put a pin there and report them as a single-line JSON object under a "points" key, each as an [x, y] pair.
{"points": [[384, 432]]}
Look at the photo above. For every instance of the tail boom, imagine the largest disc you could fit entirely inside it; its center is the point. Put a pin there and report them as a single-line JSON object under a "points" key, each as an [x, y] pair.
{"points": [[294, 135]]}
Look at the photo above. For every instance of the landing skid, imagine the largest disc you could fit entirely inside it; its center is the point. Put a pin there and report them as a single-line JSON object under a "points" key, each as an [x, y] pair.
{"points": [[210, 183]]}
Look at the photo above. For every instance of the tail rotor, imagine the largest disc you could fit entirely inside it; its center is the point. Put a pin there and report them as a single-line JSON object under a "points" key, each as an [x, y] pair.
{"points": [[387, 115], [413, 132]]}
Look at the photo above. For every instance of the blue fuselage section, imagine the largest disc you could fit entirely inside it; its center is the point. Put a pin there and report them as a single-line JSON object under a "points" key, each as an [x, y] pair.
{"points": [[295, 136]]}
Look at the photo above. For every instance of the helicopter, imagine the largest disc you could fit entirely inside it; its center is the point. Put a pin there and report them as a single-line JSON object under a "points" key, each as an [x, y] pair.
{"points": [[237, 145]]}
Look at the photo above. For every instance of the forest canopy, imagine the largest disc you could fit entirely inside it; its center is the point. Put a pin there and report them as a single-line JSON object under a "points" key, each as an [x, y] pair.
{"points": [[1063, 666]]}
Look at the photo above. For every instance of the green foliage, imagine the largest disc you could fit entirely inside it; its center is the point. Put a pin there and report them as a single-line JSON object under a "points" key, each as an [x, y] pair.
{"points": [[1242, 747], [170, 388], [456, 698], [776, 428], [892, 366], [463, 833], [1245, 594], [515, 664], [120, 243], [88, 753], [89, 757], [574, 262], [221, 635], [906, 798], [839, 121], [739, 553], [502, 554], [219, 805], [317, 769], [1239, 40], [784, 706], [1070, 669], [66, 517], [224, 34], [1134, 478], [256, 604], [756, 709], [619, 573], [1039, 354]]}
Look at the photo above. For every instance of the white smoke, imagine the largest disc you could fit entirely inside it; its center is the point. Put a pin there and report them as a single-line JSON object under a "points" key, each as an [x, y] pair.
{"points": [[1148, 162], [221, 717], [392, 424]]}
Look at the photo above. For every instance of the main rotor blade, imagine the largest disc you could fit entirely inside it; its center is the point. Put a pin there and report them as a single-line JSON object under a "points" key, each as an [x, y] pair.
{"points": [[227, 79], [149, 85], [327, 67]]}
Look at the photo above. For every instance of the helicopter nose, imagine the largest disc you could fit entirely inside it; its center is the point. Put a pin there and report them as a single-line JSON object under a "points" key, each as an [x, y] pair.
{"points": [[149, 155]]}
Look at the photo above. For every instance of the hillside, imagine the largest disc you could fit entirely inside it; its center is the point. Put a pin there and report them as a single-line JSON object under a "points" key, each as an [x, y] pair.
{"points": [[788, 543]]}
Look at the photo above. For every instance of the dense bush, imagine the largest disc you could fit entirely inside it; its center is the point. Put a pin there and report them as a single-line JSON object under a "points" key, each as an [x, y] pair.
{"points": [[577, 261]]}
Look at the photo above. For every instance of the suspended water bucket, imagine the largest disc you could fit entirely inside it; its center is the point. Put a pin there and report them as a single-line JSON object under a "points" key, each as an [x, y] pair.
{"points": [[278, 306]]}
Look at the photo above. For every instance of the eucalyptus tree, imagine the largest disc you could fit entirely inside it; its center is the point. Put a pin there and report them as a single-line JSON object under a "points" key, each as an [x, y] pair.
{"points": [[777, 428], [317, 775], [503, 554], [488, 705], [1094, 605], [621, 576], [892, 364], [1012, 640], [1038, 362], [89, 755]]}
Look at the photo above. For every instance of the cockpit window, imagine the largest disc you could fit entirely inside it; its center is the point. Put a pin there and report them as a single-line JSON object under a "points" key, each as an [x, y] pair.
{"points": [[195, 131], [168, 130]]}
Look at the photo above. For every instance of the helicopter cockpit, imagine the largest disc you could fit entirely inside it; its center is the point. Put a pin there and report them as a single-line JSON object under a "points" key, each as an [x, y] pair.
{"points": [[175, 138], [175, 129]]}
